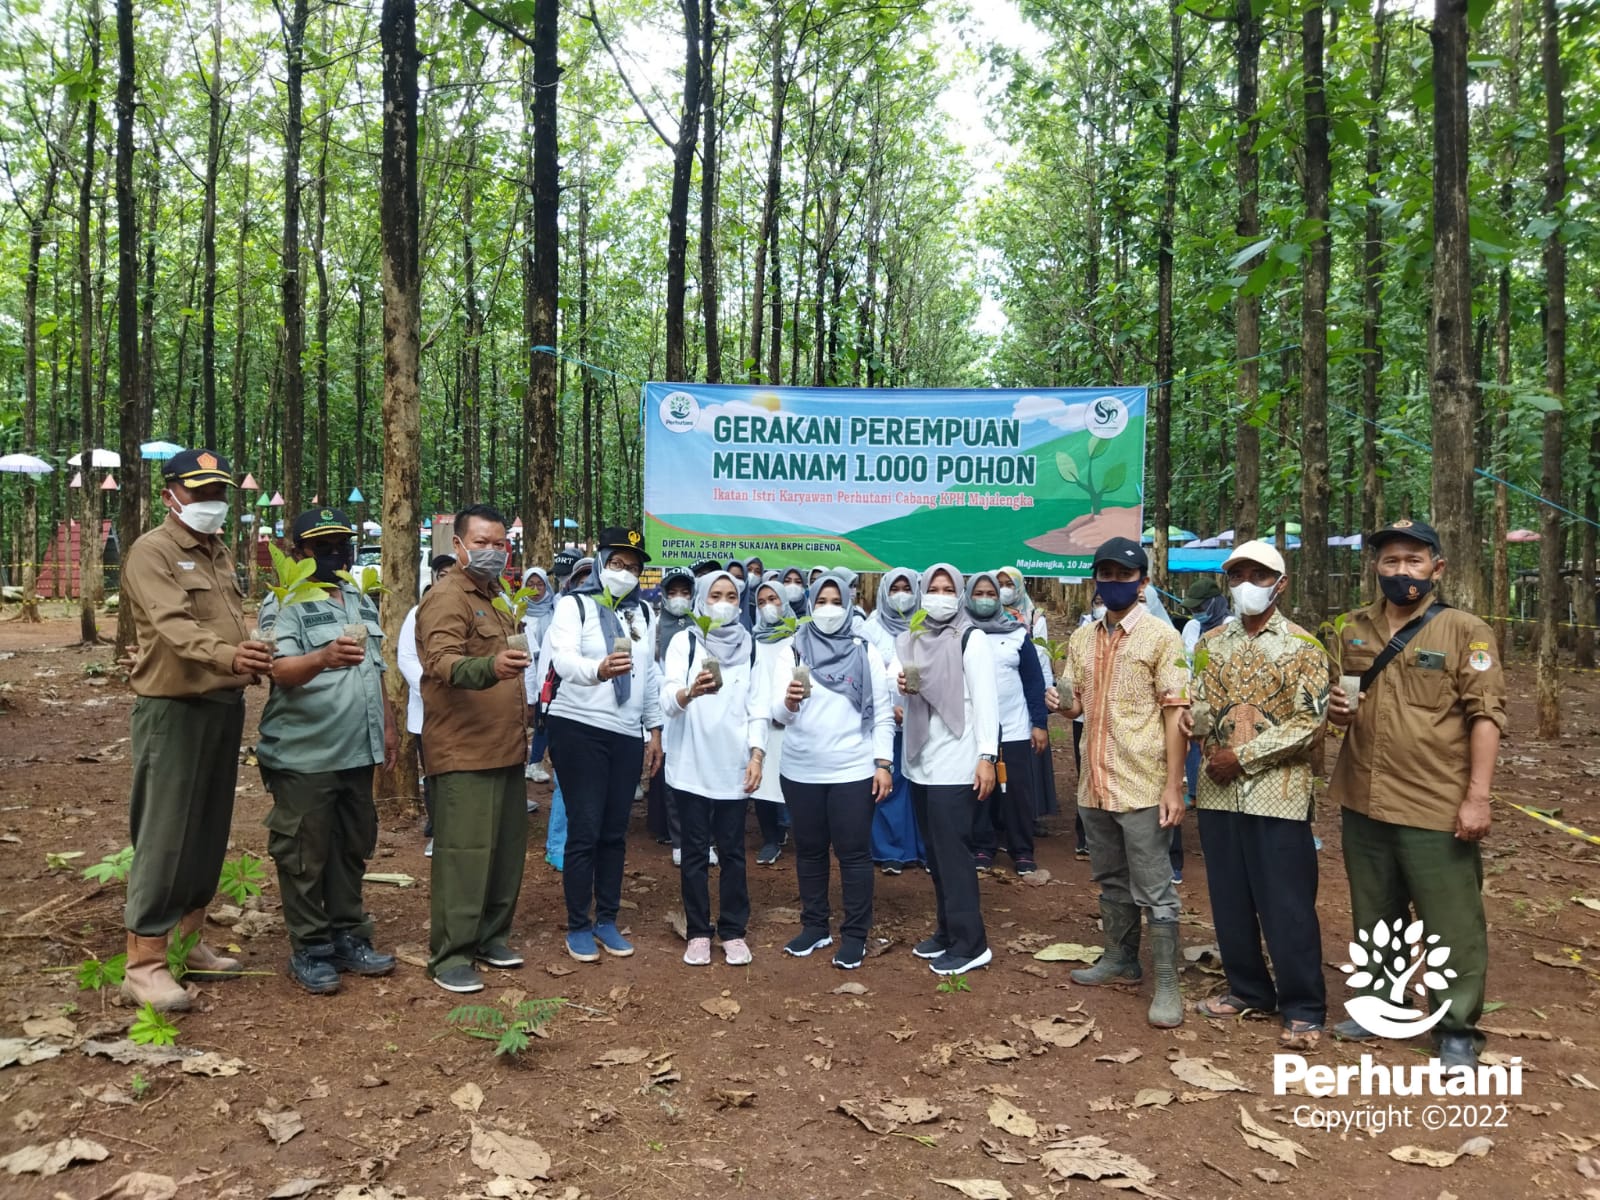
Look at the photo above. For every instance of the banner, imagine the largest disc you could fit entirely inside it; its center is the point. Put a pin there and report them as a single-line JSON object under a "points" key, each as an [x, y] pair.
{"points": [[870, 478]]}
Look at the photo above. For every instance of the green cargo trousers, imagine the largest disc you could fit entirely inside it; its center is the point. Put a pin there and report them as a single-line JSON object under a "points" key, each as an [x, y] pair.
{"points": [[1393, 867], [185, 768], [480, 840], [323, 828]]}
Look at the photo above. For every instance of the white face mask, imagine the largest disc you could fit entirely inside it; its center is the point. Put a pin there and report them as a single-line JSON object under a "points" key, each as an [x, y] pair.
{"points": [[739, 584], [1251, 599], [1008, 595], [618, 583], [676, 605], [941, 607], [203, 516], [795, 591], [902, 602], [830, 618], [771, 614], [722, 612], [1098, 612]]}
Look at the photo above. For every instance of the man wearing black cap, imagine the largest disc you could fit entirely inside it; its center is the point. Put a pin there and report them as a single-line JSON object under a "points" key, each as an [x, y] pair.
{"points": [[194, 660], [1130, 682], [324, 727], [1413, 777]]}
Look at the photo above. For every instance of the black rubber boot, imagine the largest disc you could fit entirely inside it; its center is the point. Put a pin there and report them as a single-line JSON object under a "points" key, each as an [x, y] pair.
{"points": [[1119, 965], [1166, 1006]]}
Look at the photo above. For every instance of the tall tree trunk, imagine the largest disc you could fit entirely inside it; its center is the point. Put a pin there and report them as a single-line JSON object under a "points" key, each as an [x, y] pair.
{"points": [[208, 233], [682, 177], [709, 286], [399, 217], [1372, 305], [131, 415], [1500, 584], [293, 307], [319, 230], [471, 364], [1450, 331], [89, 493], [1315, 488], [587, 412], [245, 540], [1247, 309], [1552, 593], [359, 374], [1587, 609], [539, 400], [1161, 493], [766, 238]]}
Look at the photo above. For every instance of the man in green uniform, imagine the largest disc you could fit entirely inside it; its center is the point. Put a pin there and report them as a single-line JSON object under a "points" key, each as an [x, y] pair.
{"points": [[192, 664], [323, 729], [474, 739], [1414, 775]]}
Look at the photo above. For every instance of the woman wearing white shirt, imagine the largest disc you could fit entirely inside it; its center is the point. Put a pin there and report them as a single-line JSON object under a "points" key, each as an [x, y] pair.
{"points": [[836, 761], [716, 737], [952, 730], [605, 723], [896, 841], [772, 633]]}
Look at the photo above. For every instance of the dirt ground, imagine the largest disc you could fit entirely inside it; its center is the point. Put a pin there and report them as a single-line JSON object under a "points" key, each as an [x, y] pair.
{"points": [[750, 1100]]}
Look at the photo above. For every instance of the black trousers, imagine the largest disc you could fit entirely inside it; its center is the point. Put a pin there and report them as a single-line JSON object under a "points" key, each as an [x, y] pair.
{"points": [[706, 822], [598, 770], [769, 817], [944, 815], [836, 815], [1077, 766], [1262, 875], [1010, 815]]}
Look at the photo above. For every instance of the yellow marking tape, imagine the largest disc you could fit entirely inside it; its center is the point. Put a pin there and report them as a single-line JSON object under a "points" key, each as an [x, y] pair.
{"points": [[1552, 822]]}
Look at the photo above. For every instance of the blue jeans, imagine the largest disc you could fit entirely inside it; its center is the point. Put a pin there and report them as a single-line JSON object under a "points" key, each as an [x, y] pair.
{"points": [[537, 745]]}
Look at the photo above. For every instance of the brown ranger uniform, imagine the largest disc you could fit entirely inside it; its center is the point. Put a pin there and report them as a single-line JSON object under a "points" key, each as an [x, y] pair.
{"points": [[187, 722]]}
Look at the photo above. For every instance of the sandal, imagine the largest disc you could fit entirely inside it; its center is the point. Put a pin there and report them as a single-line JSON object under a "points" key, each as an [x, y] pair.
{"points": [[1227, 1007], [1300, 1035]]}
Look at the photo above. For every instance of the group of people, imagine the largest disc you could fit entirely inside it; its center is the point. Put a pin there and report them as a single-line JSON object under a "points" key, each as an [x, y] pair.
{"points": [[916, 733]]}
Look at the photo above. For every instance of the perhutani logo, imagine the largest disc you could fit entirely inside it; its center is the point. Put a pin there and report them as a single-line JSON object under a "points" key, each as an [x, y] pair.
{"points": [[1107, 417], [1383, 963], [680, 411]]}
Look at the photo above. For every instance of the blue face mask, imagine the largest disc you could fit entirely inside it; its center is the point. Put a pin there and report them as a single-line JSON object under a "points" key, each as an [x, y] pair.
{"points": [[1119, 596]]}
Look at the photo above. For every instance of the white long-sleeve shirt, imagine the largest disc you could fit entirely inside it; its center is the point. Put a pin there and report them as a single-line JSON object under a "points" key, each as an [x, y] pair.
{"points": [[705, 755], [411, 669], [1005, 648], [579, 644], [767, 654], [824, 742], [945, 758], [882, 640]]}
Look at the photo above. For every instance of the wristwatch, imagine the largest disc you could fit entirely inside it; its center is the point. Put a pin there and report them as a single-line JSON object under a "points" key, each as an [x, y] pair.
{"points": [[988, 758], [883, 764]]}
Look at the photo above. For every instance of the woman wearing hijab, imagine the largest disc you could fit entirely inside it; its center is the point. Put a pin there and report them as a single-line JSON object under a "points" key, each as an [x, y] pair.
{"points": [[555, 835], [602, 642], [795, 588], [534, 623], [676, 615], [754, 572], [952, 731], [836, 766], [772, 635], [896, 840], [716, 739], [1024, 728]]}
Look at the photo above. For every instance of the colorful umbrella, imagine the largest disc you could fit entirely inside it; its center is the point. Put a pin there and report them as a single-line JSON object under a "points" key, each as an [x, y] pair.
{"points": [[24, 464], [159, 451], [97, 458]]}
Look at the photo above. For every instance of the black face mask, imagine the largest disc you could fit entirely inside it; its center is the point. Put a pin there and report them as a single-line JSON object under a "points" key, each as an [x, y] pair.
{"points": [[1404, 590], [330, 564]]}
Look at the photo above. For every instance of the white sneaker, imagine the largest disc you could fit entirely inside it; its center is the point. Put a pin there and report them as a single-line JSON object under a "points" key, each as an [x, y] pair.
{"points": [[713, 856], [699, 952], [427, 851], [535, 773], [677, 857]]}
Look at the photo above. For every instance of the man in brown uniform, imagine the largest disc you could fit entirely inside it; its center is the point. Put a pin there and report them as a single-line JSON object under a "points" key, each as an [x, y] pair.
{"points": [[193, 662], [1413, 778], [475, 742]]}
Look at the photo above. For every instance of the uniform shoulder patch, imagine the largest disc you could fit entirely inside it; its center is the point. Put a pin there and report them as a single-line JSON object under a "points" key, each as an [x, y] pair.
{"points": [[1479, 660]]}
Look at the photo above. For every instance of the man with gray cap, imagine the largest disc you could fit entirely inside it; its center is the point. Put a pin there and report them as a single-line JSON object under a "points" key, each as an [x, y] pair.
{"points": [[1265, 682], [1130, 683]]}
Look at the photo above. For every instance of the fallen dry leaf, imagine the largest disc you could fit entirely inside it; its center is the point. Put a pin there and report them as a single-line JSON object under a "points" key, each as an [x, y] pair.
{"points": [[1258, 1137], [1007, 1116], [106, 1093], [557, 970], [1106, 1104], [295, 1188], [1058, 1031], [731, 1098], [1152, 1098], [27, 1120], [468, 1097], [211, 1064], [1200, 1073], [141, 1185], [1424, 1156], [1088, 1158], [51, 1158], [678, 923], [280, 1126], [1069, 952], [1122, 1056], [1555, 960], [1267, 1174], [850, 989], [25, 1051], [978, 1189], [55, 1027], [784, 916], [721, 1007], [130, 1053], [996, 1051], [624, 1056], [1578, 1081], [854, 1108], [1587, 902], [1001, 1152], [507, 1154], [909, 1110]]}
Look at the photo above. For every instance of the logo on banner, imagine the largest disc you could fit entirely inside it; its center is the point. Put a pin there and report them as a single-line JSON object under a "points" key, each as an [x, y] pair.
{"points": [[1382, 964], [1107, 417], [680, 412]]}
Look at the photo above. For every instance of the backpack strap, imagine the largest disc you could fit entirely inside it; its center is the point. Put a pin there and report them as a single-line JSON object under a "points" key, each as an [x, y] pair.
{"points": [[1398, 643]]}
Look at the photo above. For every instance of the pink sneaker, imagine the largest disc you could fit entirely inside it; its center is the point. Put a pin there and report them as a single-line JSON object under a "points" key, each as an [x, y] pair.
{"points": [[736, 952], [699, 952]]}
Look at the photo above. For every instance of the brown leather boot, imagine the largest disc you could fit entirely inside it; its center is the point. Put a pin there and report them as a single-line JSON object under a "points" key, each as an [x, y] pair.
{"points": [[147, 980], [203, 960]]}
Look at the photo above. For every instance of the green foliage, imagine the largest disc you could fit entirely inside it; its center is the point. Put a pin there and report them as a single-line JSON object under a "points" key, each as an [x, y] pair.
{"points": [[294, 583], [113, 868], [1056, 650], [917, 621], [1331, 641], [241, 878], [60, 860], [178, 951], [952, 984], [1080, 472], [510, 1030], [139, 1086], [366, 580], [151, 1028], [514, 603], [95, 975]]}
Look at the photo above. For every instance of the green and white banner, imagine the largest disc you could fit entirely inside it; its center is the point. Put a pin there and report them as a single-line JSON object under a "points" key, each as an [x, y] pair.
{"points": [[870, 478]]}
